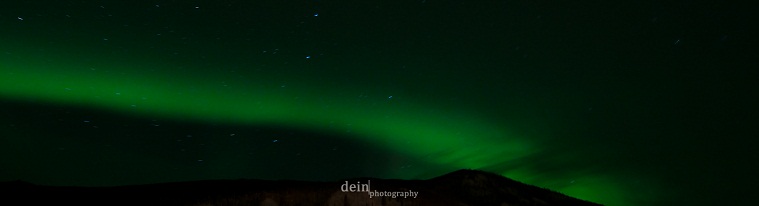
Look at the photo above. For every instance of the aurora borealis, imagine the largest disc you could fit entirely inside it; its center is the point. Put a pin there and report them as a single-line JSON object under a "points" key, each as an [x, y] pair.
{"points": [[617, 104]]}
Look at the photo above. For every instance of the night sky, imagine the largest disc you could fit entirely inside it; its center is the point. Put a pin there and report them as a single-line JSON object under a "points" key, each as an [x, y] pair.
{"points": [[637, 103]]}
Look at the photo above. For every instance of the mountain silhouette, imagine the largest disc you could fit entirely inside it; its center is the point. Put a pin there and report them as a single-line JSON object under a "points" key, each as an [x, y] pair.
{"points": [[459, 188]]}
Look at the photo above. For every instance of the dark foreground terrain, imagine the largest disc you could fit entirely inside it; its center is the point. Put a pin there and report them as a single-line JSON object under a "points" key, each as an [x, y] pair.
{"points": [[461, 188]]}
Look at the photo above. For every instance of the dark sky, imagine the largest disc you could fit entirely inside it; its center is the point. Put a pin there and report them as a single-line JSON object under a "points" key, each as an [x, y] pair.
{"points": [[638, 103]]}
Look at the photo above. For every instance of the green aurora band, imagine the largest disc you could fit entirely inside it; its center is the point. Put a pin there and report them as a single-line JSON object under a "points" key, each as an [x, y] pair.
{"points": [[454, 138]]}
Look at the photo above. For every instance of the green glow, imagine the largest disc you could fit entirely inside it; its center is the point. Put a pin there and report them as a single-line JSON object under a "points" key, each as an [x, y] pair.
{"points": [[457, 139], [452, 137]]}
